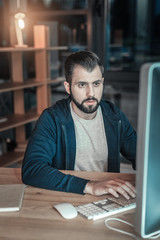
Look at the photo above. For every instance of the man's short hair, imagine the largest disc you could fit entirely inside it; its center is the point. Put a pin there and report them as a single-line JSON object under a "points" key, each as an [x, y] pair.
{"points": [[86, 59]]}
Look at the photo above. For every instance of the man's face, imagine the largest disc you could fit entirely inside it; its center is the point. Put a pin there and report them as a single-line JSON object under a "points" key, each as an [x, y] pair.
{"points": [[86, 91]]}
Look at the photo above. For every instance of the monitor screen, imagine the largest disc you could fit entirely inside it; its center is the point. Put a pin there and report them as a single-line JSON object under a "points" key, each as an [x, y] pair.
{"points": [[147, 219]]}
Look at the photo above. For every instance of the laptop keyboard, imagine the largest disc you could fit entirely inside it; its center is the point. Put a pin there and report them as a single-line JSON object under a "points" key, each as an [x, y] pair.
{"points": [[106, 207]]}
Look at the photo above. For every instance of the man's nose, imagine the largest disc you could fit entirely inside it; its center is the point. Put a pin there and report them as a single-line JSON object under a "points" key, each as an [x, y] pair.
{"points": [[90, 91]]}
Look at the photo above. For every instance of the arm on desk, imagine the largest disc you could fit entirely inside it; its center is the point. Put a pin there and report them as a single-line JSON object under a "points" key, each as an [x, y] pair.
{"points": [[38, 169]]}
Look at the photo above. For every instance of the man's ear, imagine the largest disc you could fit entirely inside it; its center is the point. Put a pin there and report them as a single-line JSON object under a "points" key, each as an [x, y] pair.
{"points": [[67, 87]]}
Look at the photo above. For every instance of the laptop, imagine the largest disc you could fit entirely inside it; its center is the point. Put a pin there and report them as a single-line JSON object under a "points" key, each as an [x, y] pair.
{"points": [[11, 197]]}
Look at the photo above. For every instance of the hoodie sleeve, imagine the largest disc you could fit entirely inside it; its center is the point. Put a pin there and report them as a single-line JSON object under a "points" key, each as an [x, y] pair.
{"points": [[37, 169]]}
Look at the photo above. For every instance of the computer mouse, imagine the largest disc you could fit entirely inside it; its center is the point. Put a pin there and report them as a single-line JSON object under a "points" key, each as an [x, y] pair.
{"points": [[67, 210]]}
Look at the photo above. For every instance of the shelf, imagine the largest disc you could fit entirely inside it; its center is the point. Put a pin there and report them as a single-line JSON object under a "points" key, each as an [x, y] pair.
{"points": [[58, 13], [56, 80], [13, 86], [16, 120], [11, 158], [17, 83], [29, 49], [57, 48], [14, 49]]}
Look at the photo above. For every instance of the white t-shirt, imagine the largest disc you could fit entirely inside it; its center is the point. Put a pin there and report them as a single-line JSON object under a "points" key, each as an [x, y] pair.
{"points": [[91, 143]]}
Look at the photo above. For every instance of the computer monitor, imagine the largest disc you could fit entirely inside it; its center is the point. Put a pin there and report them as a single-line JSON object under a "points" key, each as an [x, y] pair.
{"points": [[147, 219]]}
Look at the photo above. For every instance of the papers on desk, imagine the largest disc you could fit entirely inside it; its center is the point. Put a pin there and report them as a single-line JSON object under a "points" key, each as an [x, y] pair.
{"points": [[11, 197]]}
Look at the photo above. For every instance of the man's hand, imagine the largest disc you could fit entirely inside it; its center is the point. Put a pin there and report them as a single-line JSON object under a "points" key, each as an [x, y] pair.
{"points": [[114, 187]]}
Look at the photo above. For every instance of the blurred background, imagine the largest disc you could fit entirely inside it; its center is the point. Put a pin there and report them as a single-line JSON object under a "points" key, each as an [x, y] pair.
{"points": [[124, 34]]}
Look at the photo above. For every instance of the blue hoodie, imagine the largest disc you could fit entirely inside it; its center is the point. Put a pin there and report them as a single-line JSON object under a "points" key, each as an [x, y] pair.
{"points": [[52, 147]]}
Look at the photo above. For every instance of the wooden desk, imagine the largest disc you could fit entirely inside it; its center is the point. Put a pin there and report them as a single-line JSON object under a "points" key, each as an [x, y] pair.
{"points": [[38, 220]]}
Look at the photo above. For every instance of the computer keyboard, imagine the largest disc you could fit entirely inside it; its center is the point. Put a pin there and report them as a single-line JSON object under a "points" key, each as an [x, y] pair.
{"points": [[106, 207]]}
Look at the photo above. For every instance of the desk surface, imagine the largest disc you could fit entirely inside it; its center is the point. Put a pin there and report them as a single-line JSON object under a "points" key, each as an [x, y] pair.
{"points": [[38, 220]]}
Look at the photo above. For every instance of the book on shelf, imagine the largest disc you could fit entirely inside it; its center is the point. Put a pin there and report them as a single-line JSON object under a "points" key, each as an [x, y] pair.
{"points": [[21, 147], [3, 119]]}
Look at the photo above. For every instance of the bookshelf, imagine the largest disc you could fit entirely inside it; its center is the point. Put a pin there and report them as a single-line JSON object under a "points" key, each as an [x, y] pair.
{"points": [[42, 83], [57, 15]]}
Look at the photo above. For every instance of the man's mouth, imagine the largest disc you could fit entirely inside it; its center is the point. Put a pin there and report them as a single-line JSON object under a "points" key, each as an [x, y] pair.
{"points": [[90, 102]]}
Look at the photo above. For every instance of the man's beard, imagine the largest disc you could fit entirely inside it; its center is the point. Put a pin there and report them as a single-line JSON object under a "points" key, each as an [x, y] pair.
{"points": [[90, 108]]}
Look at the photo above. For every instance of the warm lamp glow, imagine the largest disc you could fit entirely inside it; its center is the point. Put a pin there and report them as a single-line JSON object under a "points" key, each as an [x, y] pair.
{"points": [[19, 25]]}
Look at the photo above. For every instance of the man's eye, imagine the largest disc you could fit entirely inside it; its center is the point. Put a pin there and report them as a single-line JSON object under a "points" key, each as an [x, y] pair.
{"points": [[96, 84], [81, 85]]}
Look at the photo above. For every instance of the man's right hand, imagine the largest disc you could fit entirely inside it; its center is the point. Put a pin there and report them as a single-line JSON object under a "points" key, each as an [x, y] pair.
{"points": [[114, 187]]}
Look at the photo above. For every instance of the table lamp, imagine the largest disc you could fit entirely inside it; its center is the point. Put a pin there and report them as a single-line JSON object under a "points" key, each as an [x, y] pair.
{"points": [[19, 26]]}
